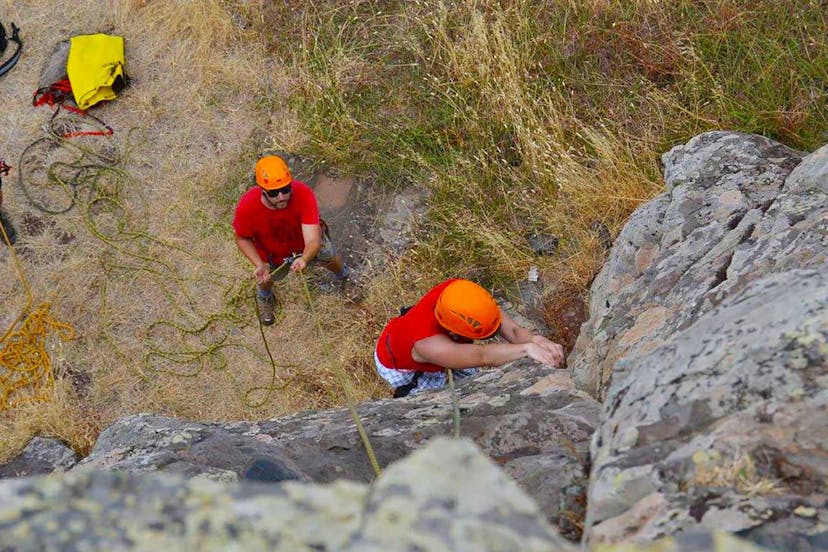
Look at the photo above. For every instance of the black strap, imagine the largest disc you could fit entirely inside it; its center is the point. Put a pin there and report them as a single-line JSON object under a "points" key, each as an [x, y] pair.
{"points": [[15, 37], [404, 390]]}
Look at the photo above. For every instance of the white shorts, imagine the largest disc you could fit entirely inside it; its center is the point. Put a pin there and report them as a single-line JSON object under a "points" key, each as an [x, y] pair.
{"points": [[428, 380]]}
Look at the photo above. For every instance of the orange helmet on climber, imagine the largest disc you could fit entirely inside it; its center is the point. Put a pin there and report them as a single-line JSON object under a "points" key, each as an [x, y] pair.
{"points": [[467, 309]]}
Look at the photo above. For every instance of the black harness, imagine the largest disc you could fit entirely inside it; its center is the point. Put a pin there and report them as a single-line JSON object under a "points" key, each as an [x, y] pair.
{"points": [[404, 390], [4, 42]]}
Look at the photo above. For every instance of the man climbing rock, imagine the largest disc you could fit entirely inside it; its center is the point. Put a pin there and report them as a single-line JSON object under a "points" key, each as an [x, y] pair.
{"points": [[10, 233], [440, 331], [278, 228]]}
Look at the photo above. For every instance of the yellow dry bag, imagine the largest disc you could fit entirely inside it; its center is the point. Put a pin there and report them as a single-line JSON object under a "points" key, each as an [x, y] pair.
{"points": [[95, 68]]}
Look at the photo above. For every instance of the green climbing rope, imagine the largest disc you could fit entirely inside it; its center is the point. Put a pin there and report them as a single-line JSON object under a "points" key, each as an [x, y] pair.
{"points": [[343, 383], [57, 175]]}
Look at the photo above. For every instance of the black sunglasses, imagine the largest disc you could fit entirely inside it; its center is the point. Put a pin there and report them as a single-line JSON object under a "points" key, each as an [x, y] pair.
{"points": [[273, 194]]}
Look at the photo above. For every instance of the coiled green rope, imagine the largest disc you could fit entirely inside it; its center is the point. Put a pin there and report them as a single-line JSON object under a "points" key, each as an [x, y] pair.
{"points": [[95, 182]]}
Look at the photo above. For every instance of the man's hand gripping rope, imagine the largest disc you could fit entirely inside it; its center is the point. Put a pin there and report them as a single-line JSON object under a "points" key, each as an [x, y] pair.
{"points": [[263, 272], [290, 262]]}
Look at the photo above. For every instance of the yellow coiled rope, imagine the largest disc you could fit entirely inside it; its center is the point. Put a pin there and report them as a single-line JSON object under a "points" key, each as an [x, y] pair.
{"points": [[26, 373]]}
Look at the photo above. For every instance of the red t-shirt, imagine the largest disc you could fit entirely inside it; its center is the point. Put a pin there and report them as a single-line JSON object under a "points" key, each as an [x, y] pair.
{"points": [[400, 334], [276, 233]]}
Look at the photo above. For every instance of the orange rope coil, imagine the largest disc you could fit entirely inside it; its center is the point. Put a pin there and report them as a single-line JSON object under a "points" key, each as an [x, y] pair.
{"points": [[25, 365]]}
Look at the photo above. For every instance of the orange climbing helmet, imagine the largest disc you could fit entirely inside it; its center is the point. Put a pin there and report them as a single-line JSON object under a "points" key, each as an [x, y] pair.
{"points": [[467, 309], [272, 173]]}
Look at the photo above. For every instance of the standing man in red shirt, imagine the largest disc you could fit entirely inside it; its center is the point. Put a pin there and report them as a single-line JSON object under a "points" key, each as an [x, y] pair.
{"points": [[276, 220], [440, 331]]}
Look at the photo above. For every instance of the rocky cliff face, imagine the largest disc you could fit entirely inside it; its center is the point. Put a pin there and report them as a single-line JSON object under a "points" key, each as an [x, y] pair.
{"points": [[707, 342], [528, 419], [448, 496]]}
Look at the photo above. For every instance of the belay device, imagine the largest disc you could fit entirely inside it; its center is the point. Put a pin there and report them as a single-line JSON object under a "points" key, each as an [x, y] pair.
{"points": [[4, 42]]}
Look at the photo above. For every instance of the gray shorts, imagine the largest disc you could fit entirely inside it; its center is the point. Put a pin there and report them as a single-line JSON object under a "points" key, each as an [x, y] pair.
{"points": [[325, 255]]}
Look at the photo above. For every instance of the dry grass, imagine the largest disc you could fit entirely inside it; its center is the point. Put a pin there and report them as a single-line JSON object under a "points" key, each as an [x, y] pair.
{"points": [[546, 117], [63, 417], [527, 164], [738, 472]]}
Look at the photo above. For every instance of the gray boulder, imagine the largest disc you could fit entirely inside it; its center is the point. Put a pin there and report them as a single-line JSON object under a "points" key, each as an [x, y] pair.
{"points": [[708, 340], [448, 496], [723, 221], [725, 426], [41, 455], [527, 418]]}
